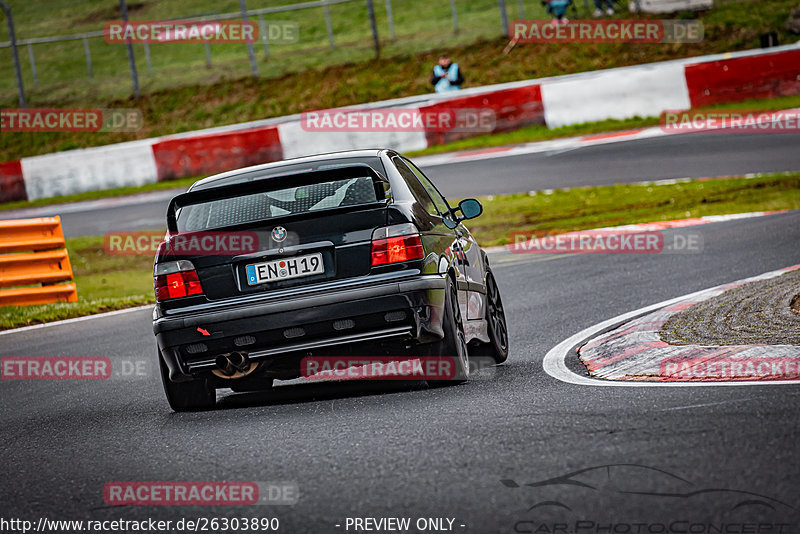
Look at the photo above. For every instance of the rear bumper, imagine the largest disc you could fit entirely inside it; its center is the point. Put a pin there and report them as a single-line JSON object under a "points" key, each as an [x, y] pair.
{"points": [[271, 328]]}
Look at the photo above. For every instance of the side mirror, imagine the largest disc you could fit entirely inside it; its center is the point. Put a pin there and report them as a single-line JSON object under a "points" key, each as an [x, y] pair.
{"points": [[470, 208]]}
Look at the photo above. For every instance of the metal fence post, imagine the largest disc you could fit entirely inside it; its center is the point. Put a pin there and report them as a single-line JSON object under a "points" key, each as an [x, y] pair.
{"points": [[454, 12], [390, 18], [33, 65], [88, 53], [208, 53], [329, 26], [147, 58], [14, 53], [521, 9], [123, 8], [264, 37], [250, 51], [375, 41], [503, 16]]}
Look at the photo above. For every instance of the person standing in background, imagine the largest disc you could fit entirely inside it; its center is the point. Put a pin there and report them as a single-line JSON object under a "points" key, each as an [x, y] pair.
{"points": [[446, 76], [557, 8]]}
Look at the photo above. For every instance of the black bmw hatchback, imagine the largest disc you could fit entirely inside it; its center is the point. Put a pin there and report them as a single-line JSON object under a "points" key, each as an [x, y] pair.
{"points": [[346, 254]]}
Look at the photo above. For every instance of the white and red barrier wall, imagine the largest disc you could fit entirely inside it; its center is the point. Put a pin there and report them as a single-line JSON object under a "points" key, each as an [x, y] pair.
{"points": [[207, 154], [642, 90]]}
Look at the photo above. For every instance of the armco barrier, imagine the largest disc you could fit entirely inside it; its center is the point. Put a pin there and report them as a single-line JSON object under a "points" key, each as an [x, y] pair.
{"points": [[622, 93], [32, 252], [297, 142], [643, 90], [743, 78], [513, 108], [207, 154], [12, 183], [668, 6], [89, 169]]}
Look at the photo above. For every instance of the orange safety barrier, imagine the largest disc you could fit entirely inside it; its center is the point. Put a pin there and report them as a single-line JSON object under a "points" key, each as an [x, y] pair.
{"points": [[33, 254]]}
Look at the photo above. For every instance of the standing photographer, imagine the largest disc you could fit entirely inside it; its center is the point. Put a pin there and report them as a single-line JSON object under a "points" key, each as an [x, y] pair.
{"points": [[446, 76]]}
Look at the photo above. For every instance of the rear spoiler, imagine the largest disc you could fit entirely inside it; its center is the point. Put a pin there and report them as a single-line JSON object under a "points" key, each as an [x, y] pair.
{"points": [[272, 183]]}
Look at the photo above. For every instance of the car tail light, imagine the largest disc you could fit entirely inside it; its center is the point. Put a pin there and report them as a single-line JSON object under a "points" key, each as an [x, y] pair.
{"points": [[395, 244], [175, 279]]}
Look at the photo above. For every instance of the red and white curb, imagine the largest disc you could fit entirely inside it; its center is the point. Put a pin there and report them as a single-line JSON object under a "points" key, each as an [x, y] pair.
{"points": [[695, 221], [634, 349]]}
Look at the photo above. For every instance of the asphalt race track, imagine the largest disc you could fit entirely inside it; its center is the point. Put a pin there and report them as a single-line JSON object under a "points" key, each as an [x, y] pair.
{"points": [[674, 156], [399, 450], [659, 158]]}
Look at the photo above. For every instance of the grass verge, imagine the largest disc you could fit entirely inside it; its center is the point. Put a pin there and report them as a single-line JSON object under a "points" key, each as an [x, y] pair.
{"points": [[105, 282], [110, 282], [560, 211]]}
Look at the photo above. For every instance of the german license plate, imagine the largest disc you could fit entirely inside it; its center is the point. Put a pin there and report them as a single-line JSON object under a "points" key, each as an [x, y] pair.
{"points": [[284, 269]]}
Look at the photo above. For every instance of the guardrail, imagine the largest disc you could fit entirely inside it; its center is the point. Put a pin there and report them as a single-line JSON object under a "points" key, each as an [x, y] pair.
{"points": [[563, 100], [33, 255]]}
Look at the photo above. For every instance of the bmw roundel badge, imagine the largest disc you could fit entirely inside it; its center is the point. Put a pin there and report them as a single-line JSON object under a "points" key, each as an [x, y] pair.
{"points": [[279, 233]]}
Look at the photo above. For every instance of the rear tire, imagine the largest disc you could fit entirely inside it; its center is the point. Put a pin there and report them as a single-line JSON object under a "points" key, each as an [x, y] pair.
{"points": [[187, 396], [497, 347], [454, 343]]}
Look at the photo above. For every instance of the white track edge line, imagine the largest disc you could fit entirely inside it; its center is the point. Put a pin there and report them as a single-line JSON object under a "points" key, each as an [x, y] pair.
{"points": [[75, 319]]}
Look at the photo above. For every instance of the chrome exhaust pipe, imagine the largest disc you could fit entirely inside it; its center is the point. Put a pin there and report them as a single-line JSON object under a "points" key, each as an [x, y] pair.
{"points": [[239, 361], [235, 364], [225, 365]]}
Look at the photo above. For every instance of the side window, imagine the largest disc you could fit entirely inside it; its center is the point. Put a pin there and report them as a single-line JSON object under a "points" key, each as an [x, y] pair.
{"points": [[419, 192], [436, 196]]}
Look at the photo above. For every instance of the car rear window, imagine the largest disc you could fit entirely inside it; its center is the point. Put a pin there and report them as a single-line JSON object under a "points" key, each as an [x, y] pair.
{"points": [[290, 167], [277, 203]]}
